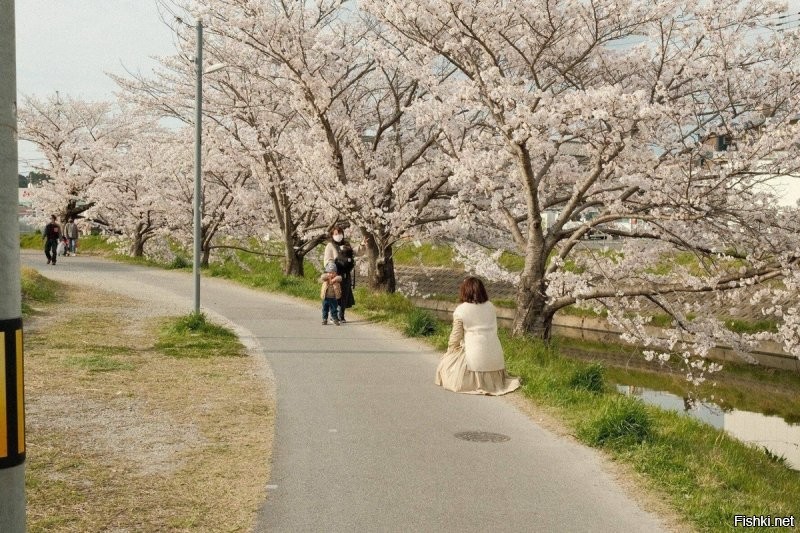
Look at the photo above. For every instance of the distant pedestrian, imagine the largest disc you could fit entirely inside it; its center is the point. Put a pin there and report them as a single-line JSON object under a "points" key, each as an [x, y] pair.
{"points": [[474, 361], [330, 293], [342, 254], [51, 236], [71, 233]]}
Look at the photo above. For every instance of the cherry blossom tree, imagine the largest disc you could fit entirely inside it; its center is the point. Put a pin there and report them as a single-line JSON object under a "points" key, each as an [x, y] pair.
{"points": [[364, 142], [241, 107], [225, 181], [268, 137], [675, 114], [127, 195], [395, 180], [74, 137]]}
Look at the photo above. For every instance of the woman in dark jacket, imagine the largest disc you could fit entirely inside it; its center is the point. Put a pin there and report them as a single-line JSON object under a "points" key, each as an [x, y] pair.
{"points": [[341, 252]]}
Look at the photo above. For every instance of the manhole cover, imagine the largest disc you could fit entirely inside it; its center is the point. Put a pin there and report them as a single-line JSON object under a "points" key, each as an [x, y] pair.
{"points": [[482, 436]]}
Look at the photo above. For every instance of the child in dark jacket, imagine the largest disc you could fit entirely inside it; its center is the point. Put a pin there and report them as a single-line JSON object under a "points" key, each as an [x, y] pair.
{"points": [[330, 293]]}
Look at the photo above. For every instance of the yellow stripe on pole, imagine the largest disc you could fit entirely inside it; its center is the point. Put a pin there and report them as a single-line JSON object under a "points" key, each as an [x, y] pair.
{"points": [[20, 397], [3, 414]]}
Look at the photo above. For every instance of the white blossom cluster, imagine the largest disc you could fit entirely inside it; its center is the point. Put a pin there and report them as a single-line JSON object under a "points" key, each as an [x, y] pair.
{"points": [[500, 126]]}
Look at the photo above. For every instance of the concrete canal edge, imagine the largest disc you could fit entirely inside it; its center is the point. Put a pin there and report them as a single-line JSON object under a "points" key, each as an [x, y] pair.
{"points": [[768, 354]]}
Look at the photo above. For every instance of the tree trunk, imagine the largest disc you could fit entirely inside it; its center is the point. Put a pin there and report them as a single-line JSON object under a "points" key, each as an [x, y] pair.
{"points": [[137, 246], [293, 262], [533, 316], [380, 267], [207, 234]]}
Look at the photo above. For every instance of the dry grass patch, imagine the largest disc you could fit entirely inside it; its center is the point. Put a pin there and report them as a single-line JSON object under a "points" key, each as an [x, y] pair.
{"points": [[124, 438]]}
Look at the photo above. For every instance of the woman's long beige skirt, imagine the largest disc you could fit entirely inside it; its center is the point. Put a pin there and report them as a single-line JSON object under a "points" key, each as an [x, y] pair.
{"points": [[453, 374]]}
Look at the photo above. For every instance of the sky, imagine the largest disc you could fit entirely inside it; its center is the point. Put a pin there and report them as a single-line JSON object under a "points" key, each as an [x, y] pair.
{"points": [[69, 45]]}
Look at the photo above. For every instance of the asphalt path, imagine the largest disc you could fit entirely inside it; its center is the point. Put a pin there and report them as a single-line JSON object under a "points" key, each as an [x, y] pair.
{"points": [[364, 441]]}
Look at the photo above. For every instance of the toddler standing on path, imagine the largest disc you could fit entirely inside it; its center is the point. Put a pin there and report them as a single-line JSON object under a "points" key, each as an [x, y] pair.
{"points": [[330, 293]]}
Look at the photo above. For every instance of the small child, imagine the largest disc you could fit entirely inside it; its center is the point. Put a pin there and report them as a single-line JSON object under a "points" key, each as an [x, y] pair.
{"points": [[61, 248], [330, 293]]}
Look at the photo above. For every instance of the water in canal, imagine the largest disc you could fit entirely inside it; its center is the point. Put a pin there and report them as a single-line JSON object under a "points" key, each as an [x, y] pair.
{"points": [[770, 432]]}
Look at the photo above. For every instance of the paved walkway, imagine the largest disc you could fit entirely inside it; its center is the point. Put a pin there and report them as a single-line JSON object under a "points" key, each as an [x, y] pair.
{"points": [[365, 442]]}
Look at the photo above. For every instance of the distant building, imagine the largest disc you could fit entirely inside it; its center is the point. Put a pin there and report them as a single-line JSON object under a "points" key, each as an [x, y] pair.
{"points": [[786, 188], [25, 197]]}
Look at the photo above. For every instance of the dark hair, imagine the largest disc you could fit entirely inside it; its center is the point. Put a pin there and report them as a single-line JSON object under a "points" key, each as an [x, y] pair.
{"points": [[336, 229], [472, 291]]}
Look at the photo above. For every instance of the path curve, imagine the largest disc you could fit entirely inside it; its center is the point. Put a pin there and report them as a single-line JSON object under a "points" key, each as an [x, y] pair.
{"points": [[364, 441]]}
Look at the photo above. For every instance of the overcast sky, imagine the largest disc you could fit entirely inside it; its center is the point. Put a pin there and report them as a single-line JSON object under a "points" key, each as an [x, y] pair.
{"points": [[70, 45]]}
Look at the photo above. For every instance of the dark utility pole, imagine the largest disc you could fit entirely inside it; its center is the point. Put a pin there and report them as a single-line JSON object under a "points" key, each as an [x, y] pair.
{"points": [[12, 407]]}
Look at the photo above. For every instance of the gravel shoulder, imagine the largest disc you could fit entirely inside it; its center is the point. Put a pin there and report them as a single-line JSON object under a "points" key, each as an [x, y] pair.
{"points": [[124, 438]]}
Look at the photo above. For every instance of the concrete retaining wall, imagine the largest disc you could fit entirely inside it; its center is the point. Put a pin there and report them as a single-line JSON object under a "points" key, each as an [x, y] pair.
{"points": [[598, 330]]}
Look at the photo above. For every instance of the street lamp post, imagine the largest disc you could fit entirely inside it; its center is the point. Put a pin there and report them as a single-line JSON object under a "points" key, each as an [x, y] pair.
{"points": [[198, 161], [198, 186]]}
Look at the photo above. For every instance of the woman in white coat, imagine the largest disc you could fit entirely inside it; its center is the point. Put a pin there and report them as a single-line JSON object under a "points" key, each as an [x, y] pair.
{"points": [[474, 361]]}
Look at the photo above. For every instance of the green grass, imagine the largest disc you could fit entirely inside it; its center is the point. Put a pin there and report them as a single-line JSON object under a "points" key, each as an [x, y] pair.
{"points": [[684, 259], [511, 262], [86, 244], [31, 241], [179, 262], [253, 270], [589, 378], [193, 337], [99, 363], [747, 326], [504, 303], [420, 323], [427, 254], [95, 244], [621, 422], [35, 289]]}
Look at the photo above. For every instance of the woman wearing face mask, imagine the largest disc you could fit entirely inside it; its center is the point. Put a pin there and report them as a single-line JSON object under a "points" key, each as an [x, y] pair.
{"points": [[340, 252]]}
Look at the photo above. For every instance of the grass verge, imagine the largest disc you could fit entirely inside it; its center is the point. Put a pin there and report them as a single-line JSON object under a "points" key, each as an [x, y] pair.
{"points": [[36, 290], [193, 337], [124, 437], [427, 254]]}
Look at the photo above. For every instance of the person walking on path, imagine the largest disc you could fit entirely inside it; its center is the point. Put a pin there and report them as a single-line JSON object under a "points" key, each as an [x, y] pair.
{"points": [[341, 253], [330, 293], [71, 232], [473, 363], [51, 236]]}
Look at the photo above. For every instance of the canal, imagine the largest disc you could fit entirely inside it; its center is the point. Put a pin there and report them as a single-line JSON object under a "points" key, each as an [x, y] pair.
{"points": [[756, 405], [768, 432]]}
